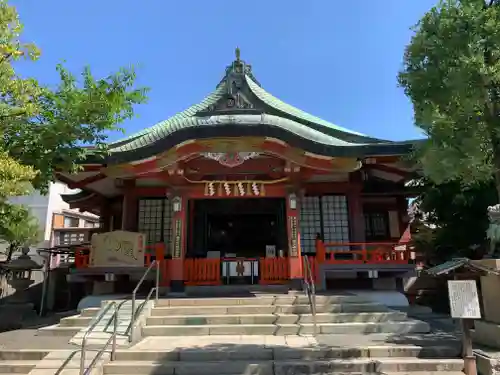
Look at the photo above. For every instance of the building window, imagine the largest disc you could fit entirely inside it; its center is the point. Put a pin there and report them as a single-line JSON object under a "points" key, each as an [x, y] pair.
{"points": [[310, 223], [335, 220], [69, 238], [376, 225], [326, 215], [91, 224], [155, 216], [71, 222]]}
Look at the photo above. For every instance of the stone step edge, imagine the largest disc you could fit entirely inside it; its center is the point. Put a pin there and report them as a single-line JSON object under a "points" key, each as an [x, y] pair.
{"points": [[278, 315], [361, 324], [201, 304], [379, 360], [306, 349]]}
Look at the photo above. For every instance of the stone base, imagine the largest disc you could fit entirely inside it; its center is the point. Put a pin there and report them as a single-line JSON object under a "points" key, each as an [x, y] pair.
{"points": [[296, 284], [103, 287], [487, 333], [177, 286], [12, 316]]}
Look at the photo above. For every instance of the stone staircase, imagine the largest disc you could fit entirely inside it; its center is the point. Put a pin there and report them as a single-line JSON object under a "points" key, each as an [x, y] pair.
{"points": [[271, 335], [258, 335], [280, 315]]}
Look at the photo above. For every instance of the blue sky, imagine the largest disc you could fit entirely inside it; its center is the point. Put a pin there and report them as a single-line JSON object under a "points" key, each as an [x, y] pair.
{"points": [[335, 59]]}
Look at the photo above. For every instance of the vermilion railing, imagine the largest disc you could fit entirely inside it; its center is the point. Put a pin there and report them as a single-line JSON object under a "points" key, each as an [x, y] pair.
{"points": [[202, 271], [274, 270], [362, 253]]}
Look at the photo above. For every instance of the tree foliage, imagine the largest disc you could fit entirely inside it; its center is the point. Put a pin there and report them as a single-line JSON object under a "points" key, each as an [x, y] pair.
{"points": [[450, 220], [452, 76], [18, 228], [47, 129]]}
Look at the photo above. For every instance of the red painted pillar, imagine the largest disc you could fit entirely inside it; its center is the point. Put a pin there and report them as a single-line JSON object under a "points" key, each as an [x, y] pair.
{"points": [[294, 250], [130, 206], [105, 216], [178, 243]]}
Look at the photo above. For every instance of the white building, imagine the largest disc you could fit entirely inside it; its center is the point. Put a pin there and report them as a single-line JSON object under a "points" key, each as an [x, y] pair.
{"points": [[53, 214]]}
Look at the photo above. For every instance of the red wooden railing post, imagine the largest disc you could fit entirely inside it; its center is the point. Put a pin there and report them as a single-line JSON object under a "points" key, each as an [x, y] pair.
{"points": [[320, 251]]}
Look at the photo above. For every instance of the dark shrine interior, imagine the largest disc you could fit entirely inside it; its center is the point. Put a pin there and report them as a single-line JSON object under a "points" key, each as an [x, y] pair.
{"points": [[242, 227]]}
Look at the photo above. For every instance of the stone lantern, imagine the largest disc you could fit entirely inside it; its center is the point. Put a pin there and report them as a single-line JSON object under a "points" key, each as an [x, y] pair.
{"points": [[19, 279]]}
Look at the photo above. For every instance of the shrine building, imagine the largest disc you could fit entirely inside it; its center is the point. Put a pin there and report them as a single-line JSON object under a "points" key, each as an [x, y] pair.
{"points": [[240, 187]]}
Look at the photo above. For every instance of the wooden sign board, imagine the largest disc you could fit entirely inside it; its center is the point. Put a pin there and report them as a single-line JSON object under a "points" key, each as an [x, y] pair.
{"points": [[464, 299], [117, 249]]}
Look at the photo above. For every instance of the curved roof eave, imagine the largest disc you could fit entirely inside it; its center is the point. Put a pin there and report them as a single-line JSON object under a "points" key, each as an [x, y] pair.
{"points": [[75, 197], [293, 133]]}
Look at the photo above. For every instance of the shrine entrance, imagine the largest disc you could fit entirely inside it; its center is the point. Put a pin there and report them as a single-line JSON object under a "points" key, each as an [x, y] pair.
{"points": [[239, 232]]}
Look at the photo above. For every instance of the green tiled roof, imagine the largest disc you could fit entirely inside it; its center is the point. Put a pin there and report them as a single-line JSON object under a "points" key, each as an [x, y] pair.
{"points": [[291, 110], [265, 110]]}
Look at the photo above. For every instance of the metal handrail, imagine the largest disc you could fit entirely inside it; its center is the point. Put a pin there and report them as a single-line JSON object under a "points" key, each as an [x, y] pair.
{"points": [[111, 339], [311, 293], [156, 288]]}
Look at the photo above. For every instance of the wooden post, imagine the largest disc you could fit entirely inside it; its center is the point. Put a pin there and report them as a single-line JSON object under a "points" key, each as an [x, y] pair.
{"points": [[467, 353]]}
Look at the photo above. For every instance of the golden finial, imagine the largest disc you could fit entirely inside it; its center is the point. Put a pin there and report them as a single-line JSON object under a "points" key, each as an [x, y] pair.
{"points": [[237, 53]]}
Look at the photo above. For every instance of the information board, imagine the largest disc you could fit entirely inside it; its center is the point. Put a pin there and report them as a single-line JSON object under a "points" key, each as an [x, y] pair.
{"points": [[464, 299], [117, 249]]}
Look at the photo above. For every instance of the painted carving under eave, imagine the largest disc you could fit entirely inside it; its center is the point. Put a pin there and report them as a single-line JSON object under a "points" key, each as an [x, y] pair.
{"points": [[230, 159]]}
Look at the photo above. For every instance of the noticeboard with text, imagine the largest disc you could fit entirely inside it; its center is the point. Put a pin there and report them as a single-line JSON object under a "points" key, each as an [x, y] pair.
{"points": [[117, 249], [464, 299]]}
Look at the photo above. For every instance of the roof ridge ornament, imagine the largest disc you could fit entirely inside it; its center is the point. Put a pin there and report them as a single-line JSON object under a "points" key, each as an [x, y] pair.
{"points": [[237, 53]]}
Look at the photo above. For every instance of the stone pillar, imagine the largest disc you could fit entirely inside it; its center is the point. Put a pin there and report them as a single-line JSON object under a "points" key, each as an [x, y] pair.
{"points": [[294, 249], [356, 218], [487, 330], [130, 206], [178, 242]]}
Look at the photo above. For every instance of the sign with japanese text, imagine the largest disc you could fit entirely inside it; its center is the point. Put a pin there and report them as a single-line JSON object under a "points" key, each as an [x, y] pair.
{"points": [[117, 249], [464, 299]]}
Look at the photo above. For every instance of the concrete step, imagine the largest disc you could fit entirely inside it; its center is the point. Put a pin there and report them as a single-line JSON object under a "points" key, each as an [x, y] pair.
{"points": [[90, 312], [276, 318], [75, 321], [99, 339], [409, 326], [56, 330], [358, 365], [17, 366], [22, 354], [260, 300], [267, 309], [281, 353]]}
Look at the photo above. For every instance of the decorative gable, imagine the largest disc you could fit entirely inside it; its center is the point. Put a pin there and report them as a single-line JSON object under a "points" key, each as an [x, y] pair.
{"points": [[237, 96]]}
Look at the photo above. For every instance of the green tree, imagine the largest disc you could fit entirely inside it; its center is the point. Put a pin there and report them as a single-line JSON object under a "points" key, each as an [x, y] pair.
{"points": [[451, 220], [452, 76], [48, 128], [18, 228]]}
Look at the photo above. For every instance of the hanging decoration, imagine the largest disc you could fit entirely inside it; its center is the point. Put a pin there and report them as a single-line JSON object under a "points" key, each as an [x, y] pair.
{"points": [[236, 188], [230, 159]]}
